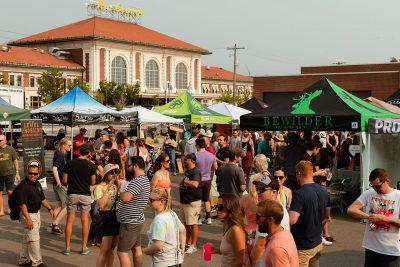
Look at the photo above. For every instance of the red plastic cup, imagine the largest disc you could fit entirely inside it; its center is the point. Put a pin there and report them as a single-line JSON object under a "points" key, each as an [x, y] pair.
{"points": [[207, 248]]}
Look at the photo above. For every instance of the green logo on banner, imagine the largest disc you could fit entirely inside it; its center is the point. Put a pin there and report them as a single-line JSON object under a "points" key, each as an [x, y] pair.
{"points": [[197, 104], [303, 104], [177, 104]]}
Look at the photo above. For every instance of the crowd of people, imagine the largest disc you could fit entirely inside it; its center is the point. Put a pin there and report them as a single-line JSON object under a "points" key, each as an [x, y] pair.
{"points": [[269, 189]]}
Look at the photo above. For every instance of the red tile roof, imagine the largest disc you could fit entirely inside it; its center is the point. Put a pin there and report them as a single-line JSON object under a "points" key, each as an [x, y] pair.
{"points": [[217, 73], [30, 57], [108, 29]]}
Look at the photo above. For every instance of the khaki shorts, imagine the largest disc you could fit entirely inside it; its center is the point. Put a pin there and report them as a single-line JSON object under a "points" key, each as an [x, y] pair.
{"points": [[129, 237], [189, 213], [60, 193], [77, 202]]}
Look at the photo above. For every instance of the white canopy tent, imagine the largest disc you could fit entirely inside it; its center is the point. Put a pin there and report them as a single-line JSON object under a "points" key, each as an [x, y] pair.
{"points": [[230, 110], [146, 116]]}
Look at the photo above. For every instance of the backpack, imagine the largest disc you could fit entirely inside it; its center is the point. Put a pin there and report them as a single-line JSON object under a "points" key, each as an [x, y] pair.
{"points": [[14, 207]]}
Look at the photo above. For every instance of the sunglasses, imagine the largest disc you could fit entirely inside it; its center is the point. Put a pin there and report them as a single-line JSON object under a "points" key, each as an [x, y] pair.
{"points": [[115, 171], [220, 207], [33, 173], [167, 161], [258, 216], [377, 187], [279, 177], [153, 199]]}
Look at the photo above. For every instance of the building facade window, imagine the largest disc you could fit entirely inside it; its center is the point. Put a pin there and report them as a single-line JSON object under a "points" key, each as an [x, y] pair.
{"points": [[36, 102], [118, 70], [181, 76], [32, 81], [15, 80], [152, 74]]}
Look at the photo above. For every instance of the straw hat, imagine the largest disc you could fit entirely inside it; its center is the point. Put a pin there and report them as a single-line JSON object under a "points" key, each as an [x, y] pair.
{"points": [[149, 142], [280, 138]]}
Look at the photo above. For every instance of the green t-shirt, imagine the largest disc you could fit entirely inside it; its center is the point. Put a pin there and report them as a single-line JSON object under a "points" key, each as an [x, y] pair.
{"points": [[7, 156]]}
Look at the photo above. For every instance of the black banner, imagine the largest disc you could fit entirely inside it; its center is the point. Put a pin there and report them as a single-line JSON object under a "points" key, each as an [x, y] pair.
{"points": [[32, 143]]}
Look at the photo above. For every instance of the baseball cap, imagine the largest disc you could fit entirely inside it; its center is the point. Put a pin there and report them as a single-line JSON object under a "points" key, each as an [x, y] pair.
{"points": [[33, 162], [266, 182], [104, 132]]}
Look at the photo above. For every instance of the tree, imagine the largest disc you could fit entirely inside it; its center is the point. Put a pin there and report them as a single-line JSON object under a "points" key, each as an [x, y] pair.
{"points": [[393, 59], [244, 97], [51, 85], [156, 100], [2, 80], [78, 81], [119, 95], [226, 97]]}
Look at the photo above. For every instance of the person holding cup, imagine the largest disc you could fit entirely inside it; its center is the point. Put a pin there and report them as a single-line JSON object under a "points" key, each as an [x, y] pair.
{"points": [[106, 195], [233, 244], [167, 235]]}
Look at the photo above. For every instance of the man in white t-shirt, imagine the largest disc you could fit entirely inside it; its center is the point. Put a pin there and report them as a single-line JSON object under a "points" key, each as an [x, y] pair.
{"points": [[381, 236]]}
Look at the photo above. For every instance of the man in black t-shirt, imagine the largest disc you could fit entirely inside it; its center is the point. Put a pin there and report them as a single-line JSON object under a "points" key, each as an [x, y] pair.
{"points": [[308, 210], [190, 198], [79, 174], [222, 154], [29, 197], [230, 177]]}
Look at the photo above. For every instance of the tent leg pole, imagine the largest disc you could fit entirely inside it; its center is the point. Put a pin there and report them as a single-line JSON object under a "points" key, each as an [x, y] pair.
{"points": [[72, 141]]}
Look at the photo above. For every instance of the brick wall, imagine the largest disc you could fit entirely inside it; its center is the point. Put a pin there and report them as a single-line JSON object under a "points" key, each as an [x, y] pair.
{"points": [[87, 66], [102, 63], [76, 55], [137, 65], [381, 84], [169, 69]]}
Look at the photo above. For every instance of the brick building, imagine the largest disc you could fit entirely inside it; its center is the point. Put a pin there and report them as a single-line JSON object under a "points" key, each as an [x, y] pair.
{"points": [[363, 80]]}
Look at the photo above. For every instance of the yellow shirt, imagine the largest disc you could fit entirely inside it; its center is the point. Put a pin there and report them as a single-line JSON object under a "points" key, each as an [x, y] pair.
{"points": [[100, 191]]}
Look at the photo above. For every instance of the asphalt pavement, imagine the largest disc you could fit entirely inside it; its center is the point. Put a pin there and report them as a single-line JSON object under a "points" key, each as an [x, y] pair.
{"points": [[346, 251]]}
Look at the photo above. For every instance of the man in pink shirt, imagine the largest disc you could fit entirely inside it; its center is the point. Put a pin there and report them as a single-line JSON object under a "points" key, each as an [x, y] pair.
{"points": [[280, 248]]}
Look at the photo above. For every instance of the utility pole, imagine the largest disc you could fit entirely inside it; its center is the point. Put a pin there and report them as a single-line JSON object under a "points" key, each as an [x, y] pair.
{"points": [[234, 48]]}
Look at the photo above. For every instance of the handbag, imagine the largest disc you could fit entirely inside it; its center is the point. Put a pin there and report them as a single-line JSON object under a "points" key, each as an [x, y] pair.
{"points": [[99, 219]]}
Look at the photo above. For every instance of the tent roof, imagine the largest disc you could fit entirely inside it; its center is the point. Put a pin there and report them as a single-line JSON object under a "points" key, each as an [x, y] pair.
{"points": [[254, 105], [229, 110], [382, 104], [148, 116], [77, 107], [4, 102], [322, 106], [186, 107], [11, 113], [394, 99]]}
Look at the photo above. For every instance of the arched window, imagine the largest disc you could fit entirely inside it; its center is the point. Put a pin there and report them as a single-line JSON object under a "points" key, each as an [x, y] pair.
{"points": [[181, 76], [118, 70], [152, 75]]}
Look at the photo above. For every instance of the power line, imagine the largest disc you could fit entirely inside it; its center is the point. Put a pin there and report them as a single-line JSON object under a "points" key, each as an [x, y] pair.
{"points": [[13, 32], [234, 48]]}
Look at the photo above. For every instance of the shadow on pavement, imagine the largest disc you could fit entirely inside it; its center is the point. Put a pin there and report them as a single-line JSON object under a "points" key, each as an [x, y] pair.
{"points": [[342, 258]]}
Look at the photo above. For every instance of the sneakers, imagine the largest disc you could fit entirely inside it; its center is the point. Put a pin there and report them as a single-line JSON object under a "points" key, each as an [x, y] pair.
{"points": [[326, 242], [207, 221], [199, 222], [55, 229], [191, 249], [85, 251]]}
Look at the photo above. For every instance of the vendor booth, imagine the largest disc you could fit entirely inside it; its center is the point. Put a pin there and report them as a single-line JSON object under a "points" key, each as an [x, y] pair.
{"points": [[325, 106], [186, 107], [78, 108], [382, 148], [382, 104], [146, 116], [394, 99]]}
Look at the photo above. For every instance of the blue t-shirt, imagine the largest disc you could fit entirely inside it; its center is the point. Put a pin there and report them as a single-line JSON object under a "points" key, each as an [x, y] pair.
{"points": [[310, 201], [205, 161]]}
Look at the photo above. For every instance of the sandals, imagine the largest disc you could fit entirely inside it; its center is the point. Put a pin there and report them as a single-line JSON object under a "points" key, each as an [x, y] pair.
{"points": [[55, 229]]}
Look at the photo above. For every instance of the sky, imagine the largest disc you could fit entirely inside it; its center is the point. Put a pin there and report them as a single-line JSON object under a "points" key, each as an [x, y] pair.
{"points": [[279, 36]]}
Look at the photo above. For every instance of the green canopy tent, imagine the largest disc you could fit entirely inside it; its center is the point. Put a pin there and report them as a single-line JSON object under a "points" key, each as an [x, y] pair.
{"points": [[186, 107], [12, 113]]}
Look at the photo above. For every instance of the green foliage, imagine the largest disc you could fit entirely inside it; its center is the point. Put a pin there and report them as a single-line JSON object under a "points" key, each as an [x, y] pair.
{"points": [[240, 98], [78, 81], [118, 95], [156, 100], [393, 59], [226, 97], [246, 96], [51, 85], [2, 80]]}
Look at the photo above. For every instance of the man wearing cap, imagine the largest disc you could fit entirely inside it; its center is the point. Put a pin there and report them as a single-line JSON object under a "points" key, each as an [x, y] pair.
{"points": [[79, 175], [104, 136], [190, 199], [266, 190], [29, 197], [8, 164], [79, 140]]}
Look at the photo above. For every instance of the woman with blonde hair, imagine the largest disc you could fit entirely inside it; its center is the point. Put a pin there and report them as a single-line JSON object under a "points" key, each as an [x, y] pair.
{"points": [[167, 235], [233, 244], [59, 161]]}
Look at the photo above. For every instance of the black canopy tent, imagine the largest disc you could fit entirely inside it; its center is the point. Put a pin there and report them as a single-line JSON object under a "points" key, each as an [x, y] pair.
{"points": [[253, 104], [322, 106], [394, 99]]}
